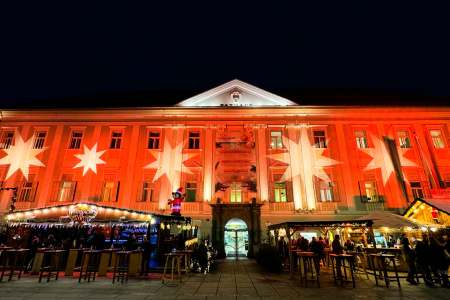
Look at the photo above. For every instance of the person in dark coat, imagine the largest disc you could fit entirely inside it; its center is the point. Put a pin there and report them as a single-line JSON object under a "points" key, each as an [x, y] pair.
{"points": [[409, 257], [336, 247], [146, 252], [423, 260], [439, 261], [131, 243]]}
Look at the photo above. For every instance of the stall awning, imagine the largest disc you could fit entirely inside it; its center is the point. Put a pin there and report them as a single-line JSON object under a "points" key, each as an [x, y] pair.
{"points": [[432, 211], [322, 223], [388, 219]]}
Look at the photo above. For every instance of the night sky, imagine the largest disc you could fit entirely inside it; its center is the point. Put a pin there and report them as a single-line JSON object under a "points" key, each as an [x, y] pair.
{"points": [[62, 55]]}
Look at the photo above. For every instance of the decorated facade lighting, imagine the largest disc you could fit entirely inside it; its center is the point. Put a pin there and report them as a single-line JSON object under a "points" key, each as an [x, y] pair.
{"points": [[423, 228]]}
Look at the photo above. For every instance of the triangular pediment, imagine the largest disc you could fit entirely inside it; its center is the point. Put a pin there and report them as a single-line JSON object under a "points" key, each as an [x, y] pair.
{"points": [[236, 93]]}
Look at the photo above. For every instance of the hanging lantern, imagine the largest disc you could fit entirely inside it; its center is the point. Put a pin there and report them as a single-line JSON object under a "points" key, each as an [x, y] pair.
{"points": [[162, 225]]}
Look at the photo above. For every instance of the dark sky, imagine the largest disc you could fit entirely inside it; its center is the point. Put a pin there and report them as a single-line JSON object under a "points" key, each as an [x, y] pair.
{"points": [[146, 54]]}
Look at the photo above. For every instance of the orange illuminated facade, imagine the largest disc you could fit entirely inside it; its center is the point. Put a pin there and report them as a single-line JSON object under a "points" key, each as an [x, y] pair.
{"points": [[234, 144]]}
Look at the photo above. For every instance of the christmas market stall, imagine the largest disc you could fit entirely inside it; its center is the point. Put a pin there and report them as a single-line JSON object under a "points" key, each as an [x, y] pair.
{"points": [[430, 213], [85, 226], [388, 228], [292, 232]]}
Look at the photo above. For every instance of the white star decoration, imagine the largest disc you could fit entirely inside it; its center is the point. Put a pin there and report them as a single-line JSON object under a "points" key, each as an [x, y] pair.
{"points": [[90, 159], [381, 159], [314, 161], [170, 161], [21, 156]]}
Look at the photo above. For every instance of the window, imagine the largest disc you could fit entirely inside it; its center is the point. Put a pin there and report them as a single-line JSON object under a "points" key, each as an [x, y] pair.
{"points": [[319, 139], [417, 190], [153, 140], [116, 140], [191, 191], [194, 140], [27, 190], [6, 139], [371, 191], [39, 139], [75, 139], [279, 190], [276, 139], [109, 191], [437, 138], [361, 139], [66, 190], [147, 192], [325, 191], [403, 139], [236, 193]]}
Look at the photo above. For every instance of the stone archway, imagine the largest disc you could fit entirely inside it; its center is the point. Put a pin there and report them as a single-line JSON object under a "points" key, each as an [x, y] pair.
{"points": [[249, 213]]}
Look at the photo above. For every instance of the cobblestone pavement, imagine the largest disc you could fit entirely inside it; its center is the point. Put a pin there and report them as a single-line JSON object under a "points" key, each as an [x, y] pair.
{"points": [[233, 280]]}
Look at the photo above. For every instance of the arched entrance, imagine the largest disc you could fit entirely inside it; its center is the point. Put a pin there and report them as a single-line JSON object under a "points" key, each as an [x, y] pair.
{"points": [[236, 238]]}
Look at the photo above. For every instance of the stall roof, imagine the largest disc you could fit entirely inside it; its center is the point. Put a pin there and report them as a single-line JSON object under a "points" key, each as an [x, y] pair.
{"points": [[102, 213], [441, 204], [321, 223], [388, 219]]}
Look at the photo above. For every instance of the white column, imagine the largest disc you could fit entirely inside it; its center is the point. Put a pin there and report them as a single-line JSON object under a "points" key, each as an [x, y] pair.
{"points": [[261, 169], [295, 158], [307, 168], [208, 164]]}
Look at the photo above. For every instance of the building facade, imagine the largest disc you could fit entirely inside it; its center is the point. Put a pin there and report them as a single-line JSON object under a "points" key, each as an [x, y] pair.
{"points": [[235, 145]]}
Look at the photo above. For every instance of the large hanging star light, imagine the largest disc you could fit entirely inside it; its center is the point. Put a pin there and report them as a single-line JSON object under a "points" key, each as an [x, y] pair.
{"points": [[21, 156], [170, 162], [90, 159], [381, 159]]}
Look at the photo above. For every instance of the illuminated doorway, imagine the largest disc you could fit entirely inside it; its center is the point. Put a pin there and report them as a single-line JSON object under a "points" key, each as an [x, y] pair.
{"points": [[236, 238]]}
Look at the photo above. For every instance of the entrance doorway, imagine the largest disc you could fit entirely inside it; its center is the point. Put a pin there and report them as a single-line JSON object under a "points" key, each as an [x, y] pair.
{"points": [[236, 238]]}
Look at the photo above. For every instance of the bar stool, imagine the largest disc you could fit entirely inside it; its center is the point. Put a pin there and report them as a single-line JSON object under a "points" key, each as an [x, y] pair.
{"points": [[342, 262], [186, 259], [378, 262], [121, 266], [175, 262], [89, 265], [51, 264], [14, 261], [308, 262]]}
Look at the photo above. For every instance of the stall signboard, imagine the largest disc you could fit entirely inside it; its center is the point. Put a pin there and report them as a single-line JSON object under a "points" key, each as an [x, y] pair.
{"points": [[82, 213]]}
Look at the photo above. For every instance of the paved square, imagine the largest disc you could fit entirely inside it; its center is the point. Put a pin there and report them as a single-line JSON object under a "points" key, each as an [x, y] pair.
{"points": [[242, 279]]}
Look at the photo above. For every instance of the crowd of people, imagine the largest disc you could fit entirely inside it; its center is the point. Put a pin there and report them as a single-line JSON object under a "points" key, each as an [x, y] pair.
{"points": [[429, 257]]}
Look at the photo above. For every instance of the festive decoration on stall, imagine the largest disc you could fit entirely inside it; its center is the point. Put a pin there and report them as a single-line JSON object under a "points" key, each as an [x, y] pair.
{"points": [[21, 156], [382, 160], [90, 159], [82, 213], [175, 202]]}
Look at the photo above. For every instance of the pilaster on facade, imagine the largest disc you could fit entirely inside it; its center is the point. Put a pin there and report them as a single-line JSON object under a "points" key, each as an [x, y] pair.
{"points": [[47, 180], [208, 170], [128, 176], [295, 165], [261, 157], [348, 187]]}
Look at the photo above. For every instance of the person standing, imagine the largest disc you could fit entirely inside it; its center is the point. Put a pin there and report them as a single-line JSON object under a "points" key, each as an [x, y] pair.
{"points": [[409, 257], [146, 252], [423, 257]]}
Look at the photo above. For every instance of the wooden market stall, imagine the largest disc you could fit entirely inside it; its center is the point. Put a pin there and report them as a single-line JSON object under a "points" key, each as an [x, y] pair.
{"points": [[86, 226], [430, 212]]}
